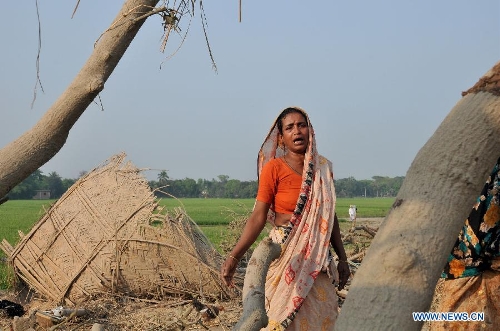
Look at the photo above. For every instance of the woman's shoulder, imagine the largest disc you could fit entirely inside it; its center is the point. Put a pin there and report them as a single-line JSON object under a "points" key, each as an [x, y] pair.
{"points": [[276, 162], [272, 167]]}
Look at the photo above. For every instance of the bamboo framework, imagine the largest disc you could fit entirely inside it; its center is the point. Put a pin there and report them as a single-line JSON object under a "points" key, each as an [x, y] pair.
{"points": [[107, 233]]}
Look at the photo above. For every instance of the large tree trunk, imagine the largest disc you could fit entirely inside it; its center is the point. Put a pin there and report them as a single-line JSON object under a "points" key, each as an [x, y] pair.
{"points": [[37, 146], [402, 266], [254, 316]]}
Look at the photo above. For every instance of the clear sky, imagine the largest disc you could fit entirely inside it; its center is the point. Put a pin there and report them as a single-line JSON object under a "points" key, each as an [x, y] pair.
{"points": [[376, 77]]}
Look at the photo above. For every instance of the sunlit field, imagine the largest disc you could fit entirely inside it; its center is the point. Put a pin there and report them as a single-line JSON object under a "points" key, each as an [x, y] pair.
{"points": [[212, 215], [20, 215], [216, 211]]}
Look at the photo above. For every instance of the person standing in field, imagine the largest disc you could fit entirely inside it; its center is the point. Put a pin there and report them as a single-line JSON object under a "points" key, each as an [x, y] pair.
{"points": [[352, 213], [296, 195]]}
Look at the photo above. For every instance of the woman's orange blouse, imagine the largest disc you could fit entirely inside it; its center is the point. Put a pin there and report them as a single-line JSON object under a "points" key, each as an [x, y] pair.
{"points": [[279, 186]]}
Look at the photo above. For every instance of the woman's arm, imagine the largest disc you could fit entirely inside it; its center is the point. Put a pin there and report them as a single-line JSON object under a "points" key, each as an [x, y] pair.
{"points": [[338, 247], [251, 231]]}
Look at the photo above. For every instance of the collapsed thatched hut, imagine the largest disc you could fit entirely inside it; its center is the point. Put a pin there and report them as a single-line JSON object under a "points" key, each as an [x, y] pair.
{"points": [[107, 234]]}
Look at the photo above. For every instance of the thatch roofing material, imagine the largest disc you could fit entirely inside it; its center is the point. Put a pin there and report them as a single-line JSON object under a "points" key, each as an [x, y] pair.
{"points": [[98, 237]]}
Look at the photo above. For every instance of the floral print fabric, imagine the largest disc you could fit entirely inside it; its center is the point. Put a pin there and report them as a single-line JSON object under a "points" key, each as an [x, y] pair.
{"points": [[472, 273], [479, 293], [479, 238]]}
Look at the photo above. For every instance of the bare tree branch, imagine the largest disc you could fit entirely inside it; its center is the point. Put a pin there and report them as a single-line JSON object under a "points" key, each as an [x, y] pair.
{"points": [[38, 81], [38, 145]]}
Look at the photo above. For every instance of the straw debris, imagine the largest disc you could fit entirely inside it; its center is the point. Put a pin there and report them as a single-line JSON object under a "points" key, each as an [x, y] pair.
{"points": [[106, 246]]}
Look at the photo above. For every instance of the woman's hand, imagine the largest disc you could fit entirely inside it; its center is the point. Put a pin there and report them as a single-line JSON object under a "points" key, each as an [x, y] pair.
{"points": [[251, 231], [344, 273], [227, 270]]}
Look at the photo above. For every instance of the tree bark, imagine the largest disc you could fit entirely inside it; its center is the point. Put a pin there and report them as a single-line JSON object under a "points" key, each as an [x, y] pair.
{"points": [[38, 145], [254, 316], [400, 271]]}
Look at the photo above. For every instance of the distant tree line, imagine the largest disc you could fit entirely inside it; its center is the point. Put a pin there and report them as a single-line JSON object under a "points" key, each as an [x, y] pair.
{"points": [[38, 181], [378, 186], [222, 187]]}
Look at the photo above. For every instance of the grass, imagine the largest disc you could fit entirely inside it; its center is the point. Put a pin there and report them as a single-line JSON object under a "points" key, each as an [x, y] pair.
{"points": [[211, 211], [20, 215], [15, 216], [218, 211], [367, 207], [212, 215]]}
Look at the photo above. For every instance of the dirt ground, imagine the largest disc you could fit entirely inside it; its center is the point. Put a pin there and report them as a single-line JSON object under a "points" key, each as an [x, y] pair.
{"points": [[371, 221], [125, 313]]}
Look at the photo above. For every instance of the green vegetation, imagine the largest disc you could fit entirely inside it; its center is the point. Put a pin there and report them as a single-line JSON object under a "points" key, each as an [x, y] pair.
{"points": [[219, 211], [212, 215], [367, 207], [28, 188], [20, 215], [221, 188], [17, 215], [210, 211], [376, 187]]}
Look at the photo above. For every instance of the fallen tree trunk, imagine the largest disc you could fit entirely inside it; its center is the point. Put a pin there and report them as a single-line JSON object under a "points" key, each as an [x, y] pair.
{"points": [[400, 271], [254, 315], [38, 145], [355, 257], [368, 230]]}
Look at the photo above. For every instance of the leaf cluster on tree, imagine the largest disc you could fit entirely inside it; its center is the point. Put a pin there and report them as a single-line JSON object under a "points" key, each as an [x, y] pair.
{"points": [[38, 181]]}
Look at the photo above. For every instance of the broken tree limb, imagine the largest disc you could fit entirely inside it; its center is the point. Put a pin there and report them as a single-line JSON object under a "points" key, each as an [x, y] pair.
{"points": [[371, 231], [368, 230], [365, 235], [356, 256], [254, 315], [37, 146]]}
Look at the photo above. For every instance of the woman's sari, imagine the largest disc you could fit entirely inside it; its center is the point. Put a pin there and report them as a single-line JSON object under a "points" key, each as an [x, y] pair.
{"points": [[299, 292]]}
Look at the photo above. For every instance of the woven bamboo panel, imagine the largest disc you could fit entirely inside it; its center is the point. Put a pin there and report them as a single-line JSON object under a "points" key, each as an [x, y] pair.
{"points": [[99, 237]]}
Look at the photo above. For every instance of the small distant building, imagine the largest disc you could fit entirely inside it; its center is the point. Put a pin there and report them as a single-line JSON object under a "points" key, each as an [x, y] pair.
{"points": [[42, 195]]}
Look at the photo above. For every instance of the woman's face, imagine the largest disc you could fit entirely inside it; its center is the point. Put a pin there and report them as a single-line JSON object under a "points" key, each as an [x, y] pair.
{"points": [[295, 133]]}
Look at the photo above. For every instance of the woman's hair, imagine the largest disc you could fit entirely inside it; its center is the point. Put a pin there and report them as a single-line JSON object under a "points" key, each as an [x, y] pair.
{"points": [[286, 112]]}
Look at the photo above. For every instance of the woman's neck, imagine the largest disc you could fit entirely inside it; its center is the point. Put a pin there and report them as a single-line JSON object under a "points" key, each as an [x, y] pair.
{"points": [[295, 157], [294, 162]]}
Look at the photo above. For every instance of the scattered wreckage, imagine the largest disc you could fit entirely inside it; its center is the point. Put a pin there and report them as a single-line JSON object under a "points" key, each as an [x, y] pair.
{"points": [[107, 234]]}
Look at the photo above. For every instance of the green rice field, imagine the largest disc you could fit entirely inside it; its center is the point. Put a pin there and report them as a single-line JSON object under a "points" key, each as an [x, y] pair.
{"points": [[217, 211], [212, 215]]}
